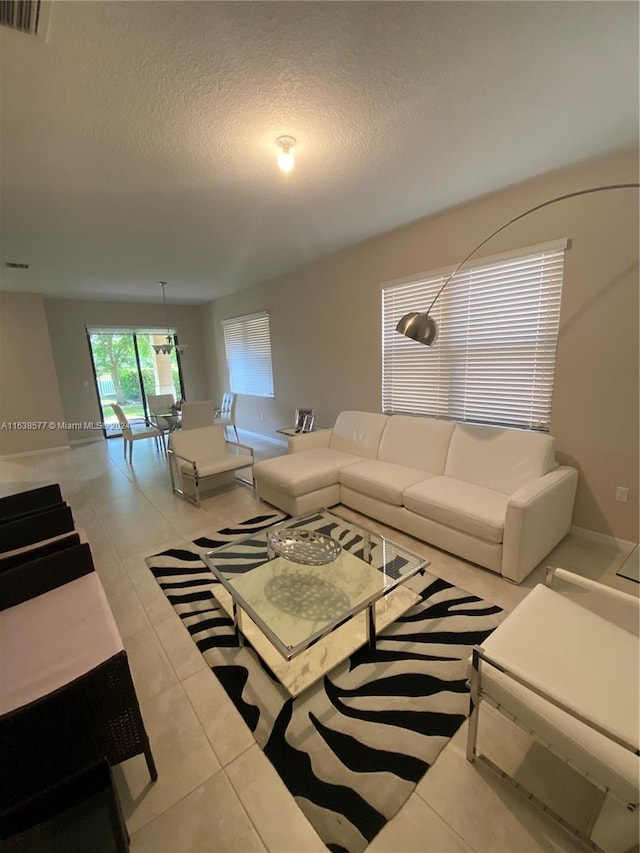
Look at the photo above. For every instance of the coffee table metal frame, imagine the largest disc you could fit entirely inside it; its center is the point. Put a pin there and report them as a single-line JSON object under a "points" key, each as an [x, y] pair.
{"points": [[355, 538]]}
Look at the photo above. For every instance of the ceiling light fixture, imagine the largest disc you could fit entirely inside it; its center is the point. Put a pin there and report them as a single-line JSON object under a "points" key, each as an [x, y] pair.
{"points": [[420, 326], [171, 344], [286, 160]]}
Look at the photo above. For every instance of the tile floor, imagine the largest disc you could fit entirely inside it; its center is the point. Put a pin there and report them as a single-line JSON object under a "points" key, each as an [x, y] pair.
{"points": [[216, 791]]}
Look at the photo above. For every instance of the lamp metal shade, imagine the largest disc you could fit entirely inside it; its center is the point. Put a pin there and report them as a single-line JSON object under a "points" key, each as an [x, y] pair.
{"points": [[419, 327]]}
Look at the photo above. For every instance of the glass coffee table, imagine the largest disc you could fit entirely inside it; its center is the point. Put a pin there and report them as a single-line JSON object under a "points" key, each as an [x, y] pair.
{"points": [[308, 592]]}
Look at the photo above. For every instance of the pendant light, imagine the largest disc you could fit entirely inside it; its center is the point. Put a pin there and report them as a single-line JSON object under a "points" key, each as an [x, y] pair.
{"points": [[171, 344]]}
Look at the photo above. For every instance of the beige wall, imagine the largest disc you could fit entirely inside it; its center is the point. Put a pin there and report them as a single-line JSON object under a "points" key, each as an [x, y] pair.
{"points": [[67, 320], [29, 392], [326, 324]]}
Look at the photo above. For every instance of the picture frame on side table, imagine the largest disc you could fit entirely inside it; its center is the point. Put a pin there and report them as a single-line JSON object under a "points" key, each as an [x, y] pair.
{"points": [[307, 423], [301, 414]]}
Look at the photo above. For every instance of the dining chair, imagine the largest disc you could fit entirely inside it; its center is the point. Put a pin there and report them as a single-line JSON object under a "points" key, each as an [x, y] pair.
{"points": [[160, 411], [226, 412], [131, 433], [199, 414]]}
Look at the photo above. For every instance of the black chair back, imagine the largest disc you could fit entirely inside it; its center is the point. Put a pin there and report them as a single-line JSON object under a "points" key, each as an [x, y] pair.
{"points": [[32, 500], [29, 529], [39, 576]]}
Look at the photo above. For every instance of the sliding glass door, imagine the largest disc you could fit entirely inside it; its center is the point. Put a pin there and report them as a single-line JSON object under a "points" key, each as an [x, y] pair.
{"points": [[127, 369]]}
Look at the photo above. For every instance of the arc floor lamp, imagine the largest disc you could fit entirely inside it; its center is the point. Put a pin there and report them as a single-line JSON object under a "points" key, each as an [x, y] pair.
{"points": [[420, 325]]}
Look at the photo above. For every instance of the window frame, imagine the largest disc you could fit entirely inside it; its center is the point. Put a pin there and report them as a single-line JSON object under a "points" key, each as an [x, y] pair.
{"points": [[457, 379]]}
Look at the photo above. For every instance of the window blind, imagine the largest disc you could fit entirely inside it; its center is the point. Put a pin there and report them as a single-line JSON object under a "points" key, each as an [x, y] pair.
{"points": [[247, 342], [494, 359]]}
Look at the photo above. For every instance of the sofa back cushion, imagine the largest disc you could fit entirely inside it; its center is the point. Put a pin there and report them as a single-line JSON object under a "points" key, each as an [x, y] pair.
{"points": [[500, 459], [416, 442], [358, 433]]}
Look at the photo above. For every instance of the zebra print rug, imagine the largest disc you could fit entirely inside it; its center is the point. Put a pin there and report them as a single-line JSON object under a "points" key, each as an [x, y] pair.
{"points": [[352, 747]]}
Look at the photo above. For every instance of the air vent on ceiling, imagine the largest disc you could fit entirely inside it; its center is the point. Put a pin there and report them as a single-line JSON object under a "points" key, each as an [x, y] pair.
{"points": [[12, 265], [20, 15]]}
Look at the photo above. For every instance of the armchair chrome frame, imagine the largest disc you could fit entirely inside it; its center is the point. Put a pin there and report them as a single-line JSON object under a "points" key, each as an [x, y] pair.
{"points": [[175, 473], [481, 658]]}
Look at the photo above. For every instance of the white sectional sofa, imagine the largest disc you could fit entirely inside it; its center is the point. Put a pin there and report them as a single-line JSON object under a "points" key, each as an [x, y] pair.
{"points": [[493, 496]]}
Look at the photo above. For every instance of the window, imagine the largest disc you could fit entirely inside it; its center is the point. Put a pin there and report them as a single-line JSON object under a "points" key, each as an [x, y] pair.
{"points": [[23, 16], [247, 341], [127, 370], [494, 359]]}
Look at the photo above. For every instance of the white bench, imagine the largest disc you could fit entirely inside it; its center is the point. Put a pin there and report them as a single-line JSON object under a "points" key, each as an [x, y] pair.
{"points": [[570, 678]]}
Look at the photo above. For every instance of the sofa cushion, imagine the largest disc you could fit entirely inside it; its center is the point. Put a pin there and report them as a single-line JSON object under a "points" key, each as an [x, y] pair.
{"points": [[300, 473], [381, 480], [472, 509], [500, 459], [358, 433], [416, 442]]}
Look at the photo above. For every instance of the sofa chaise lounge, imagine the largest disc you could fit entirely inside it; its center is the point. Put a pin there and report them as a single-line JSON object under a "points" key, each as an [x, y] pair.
{"points": [[493, 496]]}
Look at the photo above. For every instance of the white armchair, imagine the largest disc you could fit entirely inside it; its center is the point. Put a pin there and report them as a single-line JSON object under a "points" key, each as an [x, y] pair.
{"points": [[196, 455], [570, 677]]}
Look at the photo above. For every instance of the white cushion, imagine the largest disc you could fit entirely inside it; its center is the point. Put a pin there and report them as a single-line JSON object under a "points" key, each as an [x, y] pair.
{"points": [[54, 638], [208, 468], [589, 664], [300, 473], [464, 506], [358, 433], [416, 442], [381, 480], [500, 459]]}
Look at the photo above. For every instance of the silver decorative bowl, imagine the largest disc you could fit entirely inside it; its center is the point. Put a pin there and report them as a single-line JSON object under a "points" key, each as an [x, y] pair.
{"points": [[304, 546]]}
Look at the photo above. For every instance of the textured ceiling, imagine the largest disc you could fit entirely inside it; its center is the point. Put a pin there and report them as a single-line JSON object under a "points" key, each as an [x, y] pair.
{"points": [[138, 138]]}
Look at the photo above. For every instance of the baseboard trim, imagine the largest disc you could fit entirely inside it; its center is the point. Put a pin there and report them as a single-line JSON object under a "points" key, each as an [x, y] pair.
{"points": [[87, 440], [605, 539], [34, 452]]}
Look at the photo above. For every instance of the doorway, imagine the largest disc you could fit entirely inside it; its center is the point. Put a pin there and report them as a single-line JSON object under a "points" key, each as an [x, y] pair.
{"points": [[127, 368]]}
